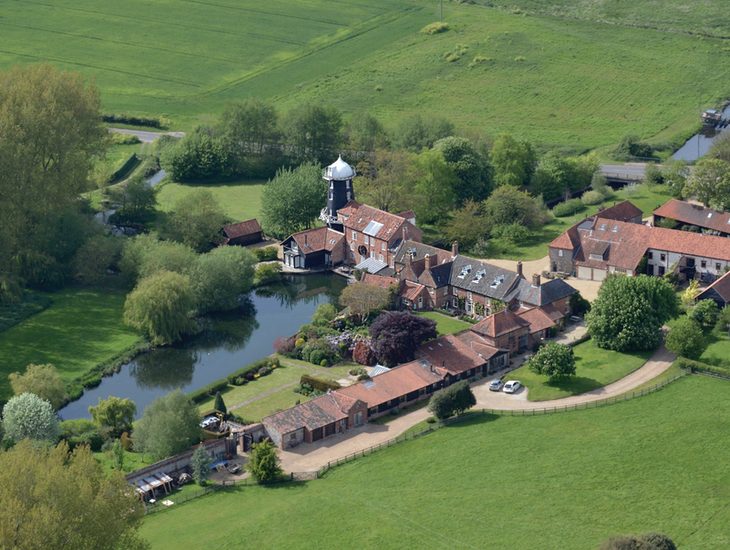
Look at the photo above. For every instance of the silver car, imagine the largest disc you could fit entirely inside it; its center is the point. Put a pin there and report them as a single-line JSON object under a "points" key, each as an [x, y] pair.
{"points": [[495, 385]]}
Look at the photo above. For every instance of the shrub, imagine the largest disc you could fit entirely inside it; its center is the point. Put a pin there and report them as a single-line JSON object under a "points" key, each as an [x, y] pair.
{"points": [[81, 432], [568, 208], [514, 233], [363, 354], [284, 345], [133, 120], [27, 416], [706, 313], [455, 399], [556, 361], [266, 254], [685, 338], [263, 462], [435, 28], [357, 371], [267, 273], [41, 380], [590, 198], [320, 384]]}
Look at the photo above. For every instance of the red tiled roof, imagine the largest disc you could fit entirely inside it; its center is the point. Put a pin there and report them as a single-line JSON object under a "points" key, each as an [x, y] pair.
{"points": [[356, 216], [624, 211], [407, 214], [538, 319], [412, 290], [568, 240], [623, 244], [315, 240], [380, 281], [395, 383], [694, 214], [478, 344], [241, 229], [451, 353], [318, 412], [499, 323], [721, 286]]}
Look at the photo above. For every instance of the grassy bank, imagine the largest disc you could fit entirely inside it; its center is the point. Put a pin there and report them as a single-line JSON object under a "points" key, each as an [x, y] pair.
{"points": [[576, 83], [567, 480], [82, 328], [240, 200], [594, 368]]}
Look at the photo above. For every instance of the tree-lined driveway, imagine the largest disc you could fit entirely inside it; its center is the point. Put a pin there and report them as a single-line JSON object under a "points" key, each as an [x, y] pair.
{"points": [[312, 457]]}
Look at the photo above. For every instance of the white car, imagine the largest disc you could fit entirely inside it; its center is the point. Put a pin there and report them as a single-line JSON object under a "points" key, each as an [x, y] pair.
{"points": [[511, 386]]}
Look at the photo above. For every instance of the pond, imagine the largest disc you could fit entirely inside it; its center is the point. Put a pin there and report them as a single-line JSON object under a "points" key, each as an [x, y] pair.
{"points": [[228, 343], [699, 144]]}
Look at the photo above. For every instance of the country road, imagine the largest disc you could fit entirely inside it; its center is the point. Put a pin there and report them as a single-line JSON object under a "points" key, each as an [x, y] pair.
{"points": [[144, 135]]}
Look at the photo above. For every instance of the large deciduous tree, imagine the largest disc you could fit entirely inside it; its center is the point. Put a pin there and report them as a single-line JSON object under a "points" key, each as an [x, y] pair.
{"points": [[169, 425], [146, 255], [50, 134], [556, 361], [196, 220], [397, 334], [709, 182], [293, 200], [27, 416], [706, 313], [114, 415], [434, 188], [41, 380], [685, 338], [469, 166], [161, 307], [513, 161], [381, 180], [629, 312], [221, 276], [314, 133], [362, 299], [507, 205], [416, 133], [56, 499], [467, 225]]}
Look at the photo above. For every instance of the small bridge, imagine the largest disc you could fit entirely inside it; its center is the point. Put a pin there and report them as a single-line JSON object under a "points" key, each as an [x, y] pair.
{"points": [[623, 174]]}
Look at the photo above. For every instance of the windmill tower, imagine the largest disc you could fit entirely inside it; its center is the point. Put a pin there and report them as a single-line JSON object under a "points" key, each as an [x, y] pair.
{"points": [[339, 176]]}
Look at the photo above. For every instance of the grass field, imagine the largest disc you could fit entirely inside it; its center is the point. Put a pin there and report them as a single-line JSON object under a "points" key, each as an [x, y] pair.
{"points": [[444, 323], [240, 200], [537, 246], [718, 350], [594, 368], [274, 392], [567, 480], [556, 81], [82, 328]]}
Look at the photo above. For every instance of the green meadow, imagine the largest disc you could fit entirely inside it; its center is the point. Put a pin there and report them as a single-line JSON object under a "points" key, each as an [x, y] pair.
{"points": [[240, 200], [80, 329], [578, 80], [566, 480]]}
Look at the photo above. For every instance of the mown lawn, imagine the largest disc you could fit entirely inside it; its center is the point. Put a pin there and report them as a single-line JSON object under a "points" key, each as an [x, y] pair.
{"points": [[82, 328], [567, 480], [718, 350], [595, 367], [444, 323], [275, 391], [557, 81], [648, 199], [240, 200]]}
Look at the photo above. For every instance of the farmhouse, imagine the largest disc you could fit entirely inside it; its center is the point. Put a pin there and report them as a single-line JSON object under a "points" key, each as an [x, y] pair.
{"points": [[596, 247], [694, 217], [325, 415], [243, 233]]}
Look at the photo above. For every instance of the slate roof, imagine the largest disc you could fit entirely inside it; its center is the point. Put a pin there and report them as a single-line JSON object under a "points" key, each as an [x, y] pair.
{"points": [[695, 214], [451, 354], [548, 292], [500, 323], [318, 412], [397, 382], [624, 211], [721, 287], [241, 229], [318, 239], [418, 251], [495, 282]]}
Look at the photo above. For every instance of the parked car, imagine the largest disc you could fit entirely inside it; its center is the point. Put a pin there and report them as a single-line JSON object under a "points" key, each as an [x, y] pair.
{"points": [[512, 386], [495, 385], [209, 422]]}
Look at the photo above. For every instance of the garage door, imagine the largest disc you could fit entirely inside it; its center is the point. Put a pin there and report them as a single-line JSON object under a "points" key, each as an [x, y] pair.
{"points": [[585, 273], [599, 274]]}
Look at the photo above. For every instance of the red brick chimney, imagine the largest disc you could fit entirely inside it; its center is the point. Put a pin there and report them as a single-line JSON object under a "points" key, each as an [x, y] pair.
{"points": [[535, 279], [455, 248], [427, 262], [519, 270]]}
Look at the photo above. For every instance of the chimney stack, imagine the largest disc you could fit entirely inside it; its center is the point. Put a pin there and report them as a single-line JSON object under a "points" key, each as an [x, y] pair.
{"points": [[535, 279], [519, 270], [427, 260], [455, 249]]}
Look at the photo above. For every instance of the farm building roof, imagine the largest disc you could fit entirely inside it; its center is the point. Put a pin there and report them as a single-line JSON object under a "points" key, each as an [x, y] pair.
{"points": [[451, 354], [320, 411], [624, 211], [318, 239], [499, 323], [242, 229], [695, 214]]}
